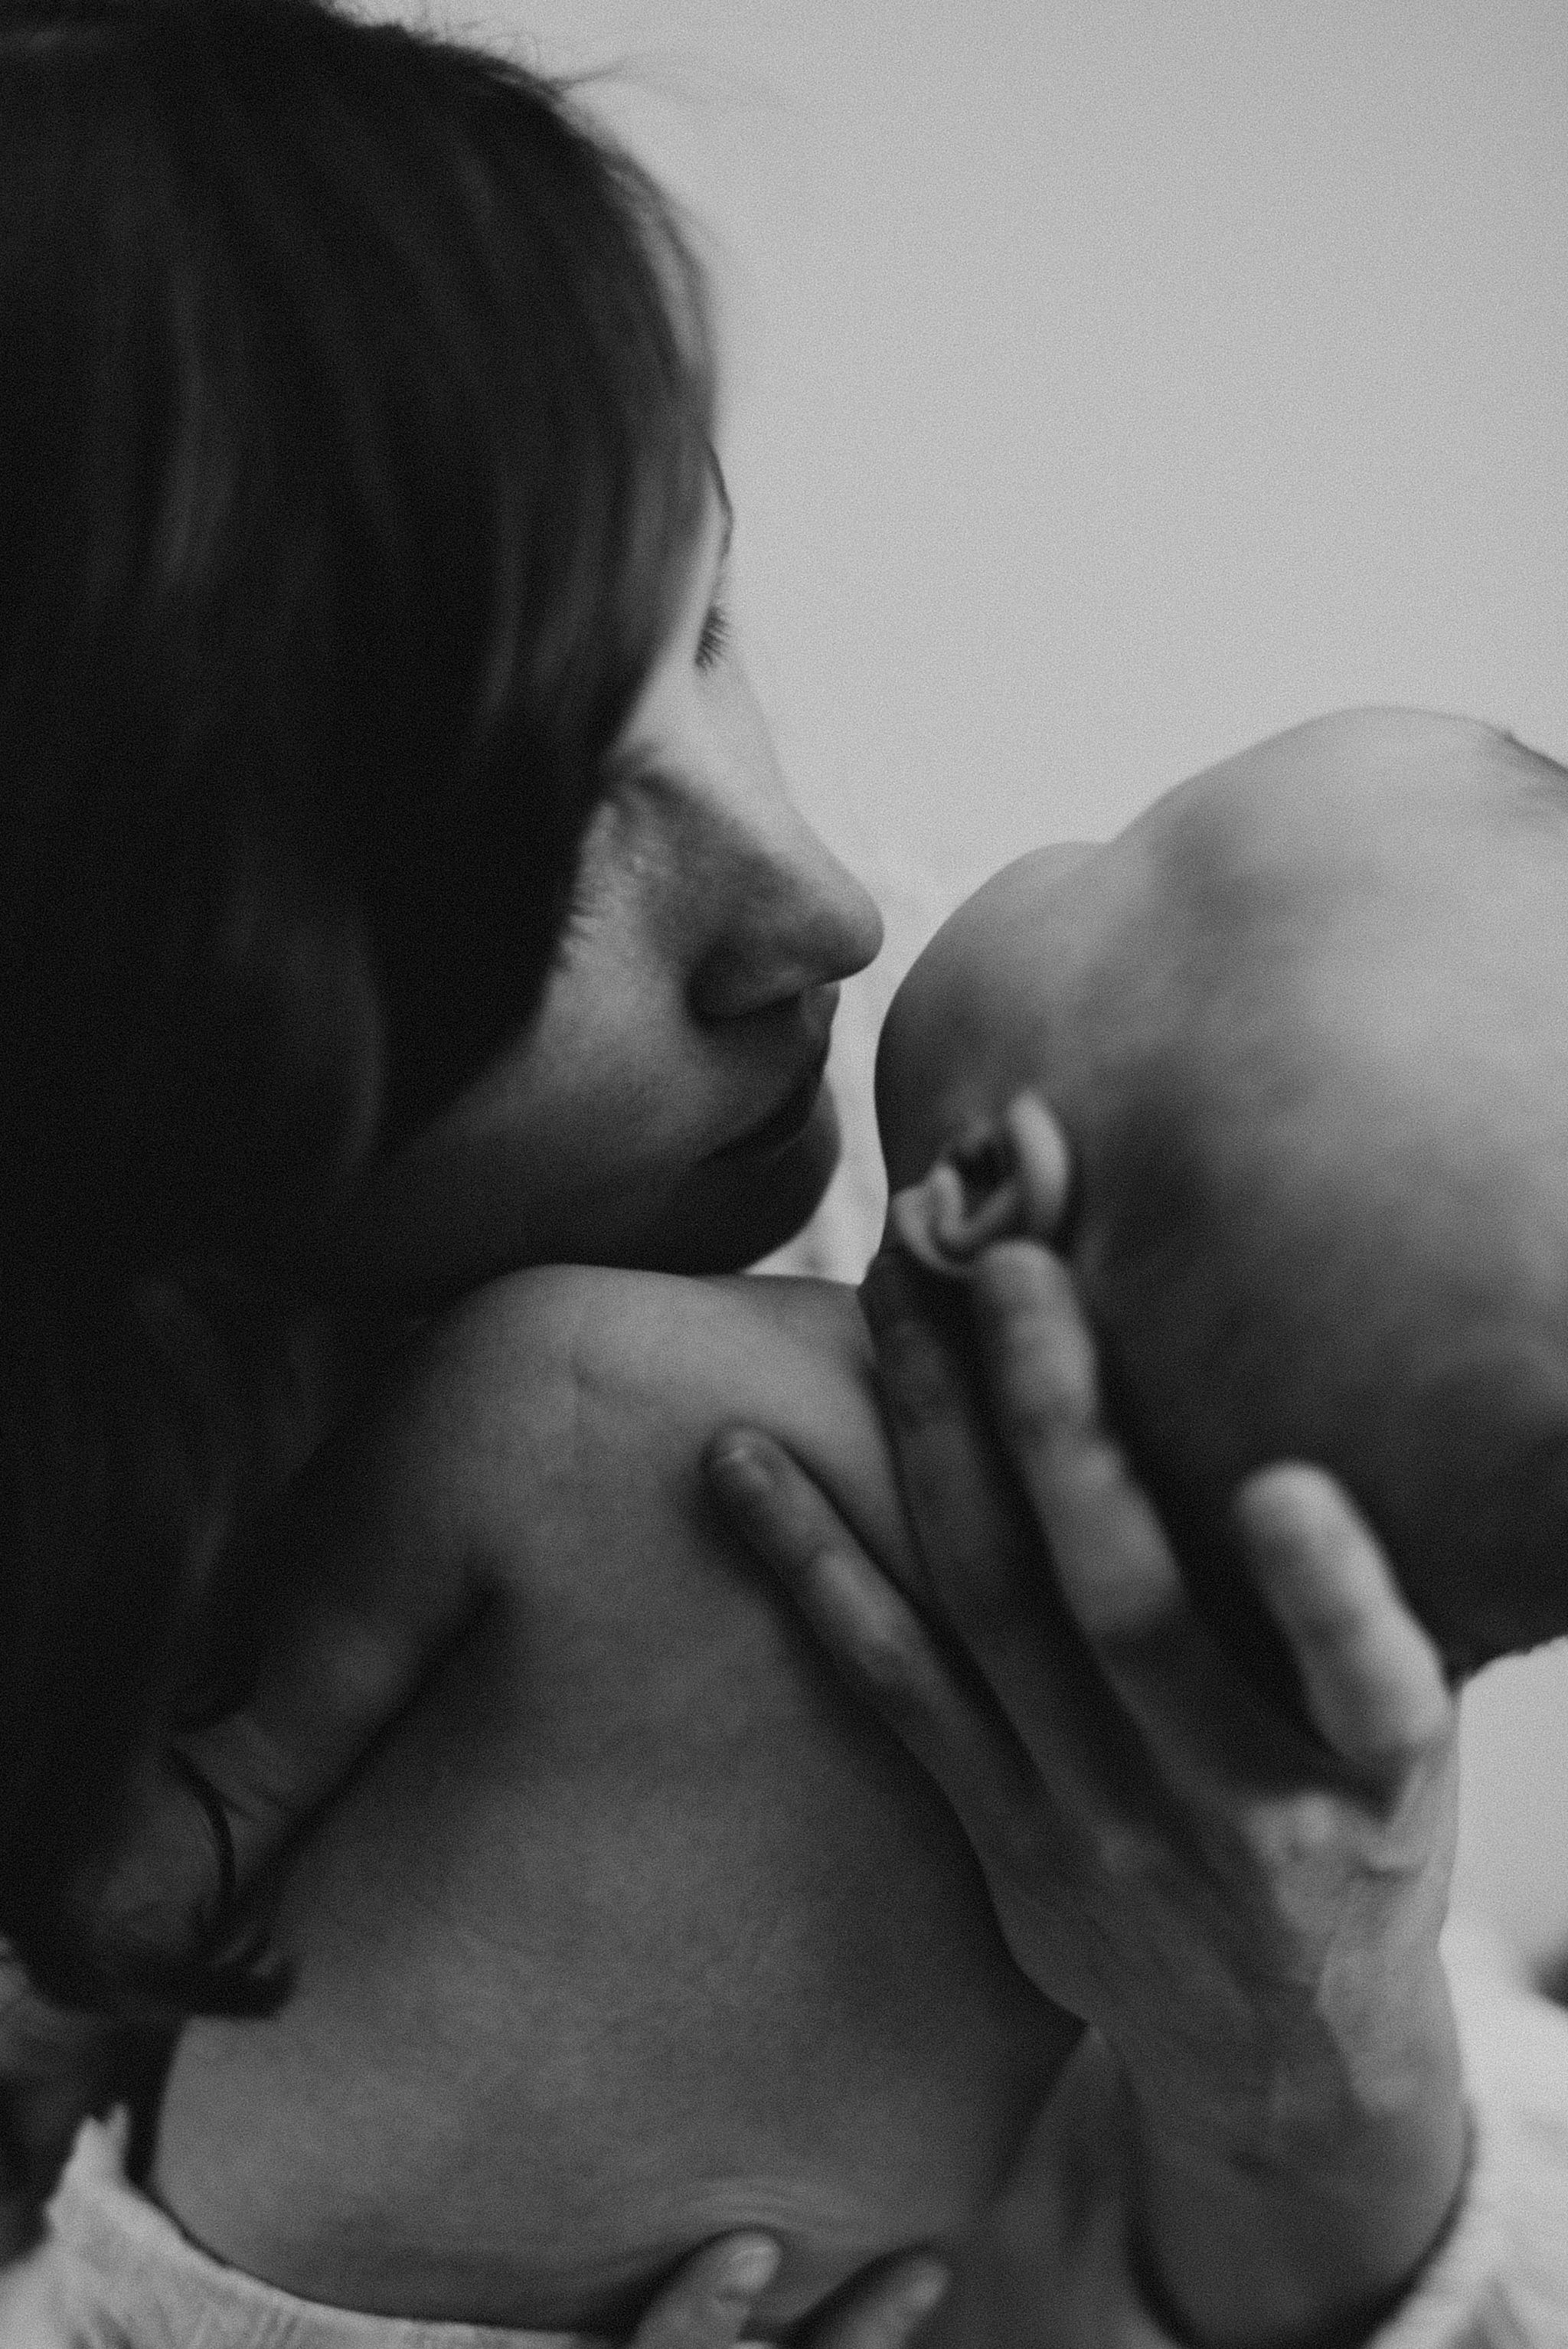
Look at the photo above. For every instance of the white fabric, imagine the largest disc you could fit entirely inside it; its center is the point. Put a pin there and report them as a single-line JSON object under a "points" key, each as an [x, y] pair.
{"points": [[114, 2273]]}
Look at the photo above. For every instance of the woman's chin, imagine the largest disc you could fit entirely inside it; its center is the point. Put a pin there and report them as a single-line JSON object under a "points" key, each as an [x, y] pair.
{"points": [[733, 1210]]}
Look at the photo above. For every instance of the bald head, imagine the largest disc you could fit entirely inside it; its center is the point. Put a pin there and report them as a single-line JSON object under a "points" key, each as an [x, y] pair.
{"points": [[1306, 1025]]}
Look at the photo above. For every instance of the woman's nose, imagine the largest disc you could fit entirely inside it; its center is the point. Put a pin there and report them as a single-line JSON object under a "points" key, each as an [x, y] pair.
{"points": [[792, 918]]}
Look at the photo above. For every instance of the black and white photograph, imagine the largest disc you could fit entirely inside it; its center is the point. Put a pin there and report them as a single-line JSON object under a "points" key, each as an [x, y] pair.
{"points": [[784, 1058]]}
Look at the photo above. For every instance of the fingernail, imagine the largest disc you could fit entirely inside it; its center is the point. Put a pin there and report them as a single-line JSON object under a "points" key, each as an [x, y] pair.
{"points": [[750, 2267], [740, 1468], [924, 2289]]}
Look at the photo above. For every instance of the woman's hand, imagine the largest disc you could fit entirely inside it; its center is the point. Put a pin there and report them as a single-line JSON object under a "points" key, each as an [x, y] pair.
{"points": [[708, 2304], [1246, 1907]]}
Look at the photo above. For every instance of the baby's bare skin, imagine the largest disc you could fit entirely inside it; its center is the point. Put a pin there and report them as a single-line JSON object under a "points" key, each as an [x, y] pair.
{"points": [[1304, 1024], [1070, 1005], [638, 1928]]}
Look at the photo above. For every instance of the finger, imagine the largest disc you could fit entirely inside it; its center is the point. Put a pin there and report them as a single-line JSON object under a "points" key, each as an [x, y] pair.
{"points": [[873, 1636], [709, 2302], [884, 2311], [1198, 1709], [979, 1551], [1113, 1564], [986, 1552], [1374, 1682]]}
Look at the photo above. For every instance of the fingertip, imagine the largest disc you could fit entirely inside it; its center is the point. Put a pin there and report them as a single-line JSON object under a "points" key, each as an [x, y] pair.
{"points": [[756, 1490], [925, 2287], [1312, 1554], [707, 2302], [1374, 1680], [887, 2310], [1291, 1500], [749, 2263], [916, 2295], [741, 1466]]}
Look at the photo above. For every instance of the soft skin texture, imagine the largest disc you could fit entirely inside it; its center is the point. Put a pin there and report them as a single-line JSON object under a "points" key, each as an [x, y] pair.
{"points": [[1247, 1908], [1305, 1026], [690, 1006], [639, 1927], [691, 1001], [662, 1108]]}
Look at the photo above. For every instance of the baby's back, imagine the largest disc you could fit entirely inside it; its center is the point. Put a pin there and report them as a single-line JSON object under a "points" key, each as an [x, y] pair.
{"points": [[635, 1928]]}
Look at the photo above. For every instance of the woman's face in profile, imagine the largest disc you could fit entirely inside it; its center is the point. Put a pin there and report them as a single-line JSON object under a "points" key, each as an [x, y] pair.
{"points": [[664, 1106]]}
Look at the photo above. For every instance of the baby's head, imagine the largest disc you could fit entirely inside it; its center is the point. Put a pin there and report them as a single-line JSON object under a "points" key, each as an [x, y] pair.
{"points": [[1305, 1027]]}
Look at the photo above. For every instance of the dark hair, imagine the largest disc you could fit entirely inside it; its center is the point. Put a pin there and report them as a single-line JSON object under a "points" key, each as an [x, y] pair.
{"points": [[356, 403]]}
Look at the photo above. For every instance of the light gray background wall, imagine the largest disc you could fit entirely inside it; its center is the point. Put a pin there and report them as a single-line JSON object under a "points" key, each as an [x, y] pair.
{"points": [[1111, 384]]}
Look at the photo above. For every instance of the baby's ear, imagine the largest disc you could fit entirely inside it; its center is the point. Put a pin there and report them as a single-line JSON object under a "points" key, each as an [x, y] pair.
{"points": [[1004, 1178]]}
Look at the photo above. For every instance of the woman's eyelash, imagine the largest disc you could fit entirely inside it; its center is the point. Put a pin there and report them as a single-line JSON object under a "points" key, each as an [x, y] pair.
{"points": [[714, 637]]}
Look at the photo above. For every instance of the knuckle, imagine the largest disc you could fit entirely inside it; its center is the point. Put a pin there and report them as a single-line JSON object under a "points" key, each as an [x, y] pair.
{"points": [[882, 1655], [1299, 1836]]}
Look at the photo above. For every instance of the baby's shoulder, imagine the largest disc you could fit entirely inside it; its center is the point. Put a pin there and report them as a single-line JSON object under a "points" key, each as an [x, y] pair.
{"points": [[559, 1397], [581, 1331]]}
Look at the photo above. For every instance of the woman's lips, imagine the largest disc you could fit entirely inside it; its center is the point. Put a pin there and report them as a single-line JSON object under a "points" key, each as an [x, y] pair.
{"points": [[783, 1123]]}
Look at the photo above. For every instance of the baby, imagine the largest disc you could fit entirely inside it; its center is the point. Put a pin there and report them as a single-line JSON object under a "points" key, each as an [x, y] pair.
{"points": [[1305, 1026], [637, 1928], [633, 1927]]}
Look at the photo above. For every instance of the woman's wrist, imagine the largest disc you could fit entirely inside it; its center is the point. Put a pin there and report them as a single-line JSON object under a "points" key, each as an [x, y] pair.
{"points": [[1302, 2226]]}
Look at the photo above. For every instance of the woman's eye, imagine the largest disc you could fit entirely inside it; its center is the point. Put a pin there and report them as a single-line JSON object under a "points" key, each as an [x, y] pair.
{"points": [[714, 637]]}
